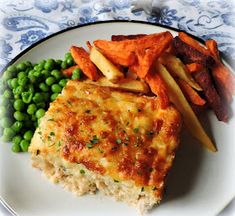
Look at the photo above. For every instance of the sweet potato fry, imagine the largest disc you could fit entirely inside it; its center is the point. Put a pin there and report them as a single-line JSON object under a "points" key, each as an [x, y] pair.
{"points": [[190, 119], [191, 95], [126, 37], [193, 43], [158, 87], [123, 52], [82, 59], [189, 54], [194, 67], [214, 100], [106, 67], [177, 68], [146, 57], [213, 49], [69, 71], [221, 74]]}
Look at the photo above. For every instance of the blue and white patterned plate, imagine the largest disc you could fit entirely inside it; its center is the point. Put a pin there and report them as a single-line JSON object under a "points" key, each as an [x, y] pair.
{"points": [[201, 183]]}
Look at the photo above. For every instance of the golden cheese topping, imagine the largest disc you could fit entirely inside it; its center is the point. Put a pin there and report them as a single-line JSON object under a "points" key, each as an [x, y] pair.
{"points": [[122, 135]]}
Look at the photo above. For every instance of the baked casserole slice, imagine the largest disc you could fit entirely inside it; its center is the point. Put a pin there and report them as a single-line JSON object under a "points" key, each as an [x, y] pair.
{"points": [[120, 143]]}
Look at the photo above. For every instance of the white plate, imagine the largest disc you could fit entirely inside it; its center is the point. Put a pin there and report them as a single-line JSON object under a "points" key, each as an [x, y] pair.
{"points": [[201, 183]]}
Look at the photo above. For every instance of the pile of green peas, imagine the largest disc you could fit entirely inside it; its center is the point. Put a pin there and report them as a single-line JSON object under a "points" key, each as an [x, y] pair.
{"points": [[26, 92]]}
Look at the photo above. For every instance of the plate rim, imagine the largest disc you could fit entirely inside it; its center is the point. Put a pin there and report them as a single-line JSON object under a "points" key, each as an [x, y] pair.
{"points": [[19, 55]]}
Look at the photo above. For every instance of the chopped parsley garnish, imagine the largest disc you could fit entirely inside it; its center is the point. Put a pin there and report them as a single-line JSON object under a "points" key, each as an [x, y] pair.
{"points": [[136, 130], [95, 140], [136, 144], [142, 189], [101, 150], [52, 133], [127, 138], [118, 141], [115, 180], [59, 143], [82, 171], [89, 145], [154, 188], [51, 119]]}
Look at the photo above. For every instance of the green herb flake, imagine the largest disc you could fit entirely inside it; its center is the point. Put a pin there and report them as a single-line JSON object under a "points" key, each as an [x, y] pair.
{"points": [[52, 133], [82, 171], [127, 139], [154, 188], [59, 143], [95, 140], [89, 145], [136, 144], [136, 130], [142, 189], [101, 150], [51, 119], [115, 180], [40, 132], [118, 141]]}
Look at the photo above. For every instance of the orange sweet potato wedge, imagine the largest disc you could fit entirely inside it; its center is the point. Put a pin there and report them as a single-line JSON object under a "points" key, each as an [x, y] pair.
{"points": [[194, 67], [158, 87], [82, 59], [191, 95], [69, 71], [213, 49], [123, 52], [193, 43]]}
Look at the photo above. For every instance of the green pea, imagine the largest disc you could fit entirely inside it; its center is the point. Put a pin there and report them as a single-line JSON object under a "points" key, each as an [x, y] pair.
{"points": [[44, 87], [6, 122], [14, 83], [16, 139], [15, 148], [38, 67], [41, 105], [19, 116], [23, 81], [17, 126], [63, 82], [56, 88], [31, 109], [56, 74], [7, 75], [70, 62], [9, 83], [37, 74], [50, 80], [27, 97], [68, 55], [46, 73], [64, 65], [28, 135], [37, 97], [12, 69], [18, 90], [40, 113], [7, 94], [16, 96], [8, 134], [18, 105], [24, 145], [77, 73], [21, 74], [31, 72], [49, 65], [42, 63], [54, 96], [30, 88], [28, 64], [21, 67], [32, 78]]}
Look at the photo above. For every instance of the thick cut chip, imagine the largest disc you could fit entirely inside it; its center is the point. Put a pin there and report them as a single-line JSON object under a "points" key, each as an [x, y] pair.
{"points": [[96, 138]]}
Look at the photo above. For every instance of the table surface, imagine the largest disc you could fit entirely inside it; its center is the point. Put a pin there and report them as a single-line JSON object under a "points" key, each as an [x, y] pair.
{"points": [[24, 22]]}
